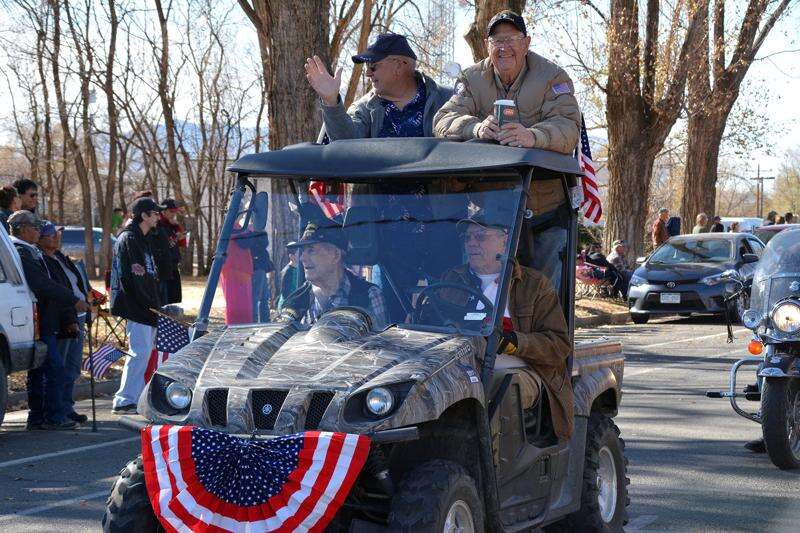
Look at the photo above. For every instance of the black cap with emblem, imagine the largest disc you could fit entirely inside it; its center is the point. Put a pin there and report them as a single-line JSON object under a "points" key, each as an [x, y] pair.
{"points": [[508, 17]]}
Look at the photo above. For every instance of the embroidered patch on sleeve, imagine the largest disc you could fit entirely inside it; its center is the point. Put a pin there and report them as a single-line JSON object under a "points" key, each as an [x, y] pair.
{"points": [[561, 88], [137, 269]]}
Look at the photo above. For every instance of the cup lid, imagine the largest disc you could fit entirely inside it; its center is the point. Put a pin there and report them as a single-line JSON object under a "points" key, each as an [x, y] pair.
{"points": [[505, 102]]}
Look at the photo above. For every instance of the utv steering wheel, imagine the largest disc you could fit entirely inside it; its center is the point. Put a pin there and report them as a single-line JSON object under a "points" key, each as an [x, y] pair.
{"points": [[437, 303]]}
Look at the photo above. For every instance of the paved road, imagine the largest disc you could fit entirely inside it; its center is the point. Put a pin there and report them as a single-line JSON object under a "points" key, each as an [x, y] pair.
{"points": [[688, 469]]}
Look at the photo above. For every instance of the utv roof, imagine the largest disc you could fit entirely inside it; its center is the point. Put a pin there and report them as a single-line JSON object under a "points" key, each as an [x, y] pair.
{"points": [[377, 158]]}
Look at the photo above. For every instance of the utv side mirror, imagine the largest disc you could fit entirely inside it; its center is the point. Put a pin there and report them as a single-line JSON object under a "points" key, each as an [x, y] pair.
{"points": [[362, 235], [640, 260], [749, 258]]}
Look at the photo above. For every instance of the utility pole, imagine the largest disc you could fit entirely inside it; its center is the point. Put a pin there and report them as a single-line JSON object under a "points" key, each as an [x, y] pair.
{"points": [[759, 179]]}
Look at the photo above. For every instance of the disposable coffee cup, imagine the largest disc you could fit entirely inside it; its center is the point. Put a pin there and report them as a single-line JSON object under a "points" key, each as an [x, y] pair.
{"points": [[505, 111]]}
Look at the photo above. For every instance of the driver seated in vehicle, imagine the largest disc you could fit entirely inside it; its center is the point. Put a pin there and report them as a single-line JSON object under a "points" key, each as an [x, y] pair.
{"points": [[534, 328], [329, 284]]}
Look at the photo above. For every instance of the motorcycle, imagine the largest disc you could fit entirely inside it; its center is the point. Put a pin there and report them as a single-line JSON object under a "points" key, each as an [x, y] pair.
{"points": [[774, 318]]}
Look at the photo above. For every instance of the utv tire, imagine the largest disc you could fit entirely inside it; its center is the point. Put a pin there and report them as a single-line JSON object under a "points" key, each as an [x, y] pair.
{"points": [[780, 421], [604, 496], [437, 496], [128, 507], [640, 318]]}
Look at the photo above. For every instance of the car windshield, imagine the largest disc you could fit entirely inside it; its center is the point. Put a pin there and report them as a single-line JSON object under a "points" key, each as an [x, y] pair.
{"points": [[704, 250], [422, 252]]}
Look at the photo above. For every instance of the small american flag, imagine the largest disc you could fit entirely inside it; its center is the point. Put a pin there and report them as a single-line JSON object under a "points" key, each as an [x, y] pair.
{"points": [[327, 197], [170, 335], [592, 209], [101, 360], [204, 480]]}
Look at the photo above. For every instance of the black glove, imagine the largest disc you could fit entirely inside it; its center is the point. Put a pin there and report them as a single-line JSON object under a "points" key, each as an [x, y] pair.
{"points": [[508, 343]]}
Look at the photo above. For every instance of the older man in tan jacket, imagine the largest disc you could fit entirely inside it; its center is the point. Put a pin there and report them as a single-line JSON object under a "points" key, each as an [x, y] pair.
{"points": [[549, 119]]}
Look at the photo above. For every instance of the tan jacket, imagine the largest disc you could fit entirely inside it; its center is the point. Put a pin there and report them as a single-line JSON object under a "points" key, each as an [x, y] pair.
{"points": [[542, 336], [545, 99]]}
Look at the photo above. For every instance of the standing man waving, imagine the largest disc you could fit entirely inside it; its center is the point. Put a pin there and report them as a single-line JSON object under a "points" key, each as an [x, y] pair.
{"points": [[134, 291]]}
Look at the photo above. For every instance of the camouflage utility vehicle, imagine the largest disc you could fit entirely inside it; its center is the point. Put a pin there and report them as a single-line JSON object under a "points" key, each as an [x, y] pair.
{"points": [[452, 448]]}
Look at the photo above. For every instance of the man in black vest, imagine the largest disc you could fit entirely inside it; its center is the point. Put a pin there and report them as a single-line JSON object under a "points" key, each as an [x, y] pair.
{"points": [[329, 284]]}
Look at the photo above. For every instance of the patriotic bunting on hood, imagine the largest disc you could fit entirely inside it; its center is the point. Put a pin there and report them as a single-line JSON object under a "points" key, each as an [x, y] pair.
{"points": [[203, 480]]}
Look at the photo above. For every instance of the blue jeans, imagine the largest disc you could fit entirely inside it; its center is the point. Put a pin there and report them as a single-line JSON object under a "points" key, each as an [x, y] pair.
{"points": [[261, 296], [45, 387], [72, 350]]}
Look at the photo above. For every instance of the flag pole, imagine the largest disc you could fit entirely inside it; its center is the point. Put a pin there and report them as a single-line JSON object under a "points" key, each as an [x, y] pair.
{"points": [[91, 371]]}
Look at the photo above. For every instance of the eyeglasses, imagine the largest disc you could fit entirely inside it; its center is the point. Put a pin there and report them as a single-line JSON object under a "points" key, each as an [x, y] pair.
{"points": [[478, 236], [505, 41], [371, 66]]}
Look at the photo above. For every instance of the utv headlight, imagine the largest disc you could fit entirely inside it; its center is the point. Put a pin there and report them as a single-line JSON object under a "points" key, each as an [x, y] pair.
{"points": [[786, 317], [637, 280], [178, 396], [380, 401]]}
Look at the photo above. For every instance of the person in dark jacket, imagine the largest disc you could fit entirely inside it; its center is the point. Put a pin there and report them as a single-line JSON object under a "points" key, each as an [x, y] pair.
{"points": [[73, 330], [45, 384], [134, 292], [166, 243], [9, 202]]}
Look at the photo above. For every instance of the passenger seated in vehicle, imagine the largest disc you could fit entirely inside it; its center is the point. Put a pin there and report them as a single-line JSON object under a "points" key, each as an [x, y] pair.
{"points": [[329, 284], [534, 328]]}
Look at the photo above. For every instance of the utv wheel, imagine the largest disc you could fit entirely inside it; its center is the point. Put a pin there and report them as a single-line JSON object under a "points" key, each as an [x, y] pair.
{"points": [[437, 497], [128, 506], [780, 421], [640, 318], [604, 496]]}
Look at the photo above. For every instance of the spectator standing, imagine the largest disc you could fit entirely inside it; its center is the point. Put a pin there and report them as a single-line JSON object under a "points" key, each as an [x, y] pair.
{"points": [[780, 220], [9, 202], [701, 223], [134, 292], [45, 385], [28, 194], [70, 345], [716, 225], [770, 220], [167, 240], [659, 232], [789, 217], [734, 227], [289, 273]]}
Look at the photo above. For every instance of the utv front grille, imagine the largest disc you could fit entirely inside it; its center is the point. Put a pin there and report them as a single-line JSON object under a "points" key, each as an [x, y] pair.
{"points": [[319, 402], [217, 406], [266, 406]]}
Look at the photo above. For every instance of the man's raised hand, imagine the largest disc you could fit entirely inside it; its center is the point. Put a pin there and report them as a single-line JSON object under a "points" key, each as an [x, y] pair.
{"points": [[326, 86]]}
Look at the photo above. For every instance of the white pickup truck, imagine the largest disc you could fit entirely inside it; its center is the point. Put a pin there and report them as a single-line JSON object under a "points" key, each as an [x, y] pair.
{"points": [[19, 348]]}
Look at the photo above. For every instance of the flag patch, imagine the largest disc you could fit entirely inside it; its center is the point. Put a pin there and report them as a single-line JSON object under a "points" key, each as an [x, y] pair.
{"points": [[562, 88]]}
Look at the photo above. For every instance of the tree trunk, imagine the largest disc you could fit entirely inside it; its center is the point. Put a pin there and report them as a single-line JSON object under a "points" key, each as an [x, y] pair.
{"points": [[363, 37], [700, 176], [484, 11]]}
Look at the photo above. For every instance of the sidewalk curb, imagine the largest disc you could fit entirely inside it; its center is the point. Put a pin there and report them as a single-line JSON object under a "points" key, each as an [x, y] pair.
{"points": [[603, 319], [82, 391]]}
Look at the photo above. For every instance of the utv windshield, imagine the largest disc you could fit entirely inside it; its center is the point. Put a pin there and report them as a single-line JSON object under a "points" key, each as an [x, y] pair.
{"points": [[708, 250], [778, 272], [419, 252]]}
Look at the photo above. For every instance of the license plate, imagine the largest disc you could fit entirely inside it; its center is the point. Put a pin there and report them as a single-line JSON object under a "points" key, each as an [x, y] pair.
{"points": [[670, 297]]}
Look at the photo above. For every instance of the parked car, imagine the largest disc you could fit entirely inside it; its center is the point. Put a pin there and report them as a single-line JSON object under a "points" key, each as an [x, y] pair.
{"points": [[73, 242], [766, 233], [685, 275], [746, 224], [19, 349]]}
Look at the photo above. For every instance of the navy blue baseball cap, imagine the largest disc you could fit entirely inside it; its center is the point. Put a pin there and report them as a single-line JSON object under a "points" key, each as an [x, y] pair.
{"points": [[508, 17], [385, 44]]}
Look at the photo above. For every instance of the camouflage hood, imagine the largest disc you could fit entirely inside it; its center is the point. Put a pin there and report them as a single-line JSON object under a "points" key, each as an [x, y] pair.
{"points": [[339, 357]]}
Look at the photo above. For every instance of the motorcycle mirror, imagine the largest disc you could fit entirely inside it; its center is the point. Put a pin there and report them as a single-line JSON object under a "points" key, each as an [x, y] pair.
{"points": [[749, 258]]}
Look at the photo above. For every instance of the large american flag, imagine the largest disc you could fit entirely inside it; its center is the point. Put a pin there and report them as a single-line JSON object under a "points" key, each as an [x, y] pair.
{"points": [[203, 480], [101, 360], [329, 198], [592, 209], [171, 336]]}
